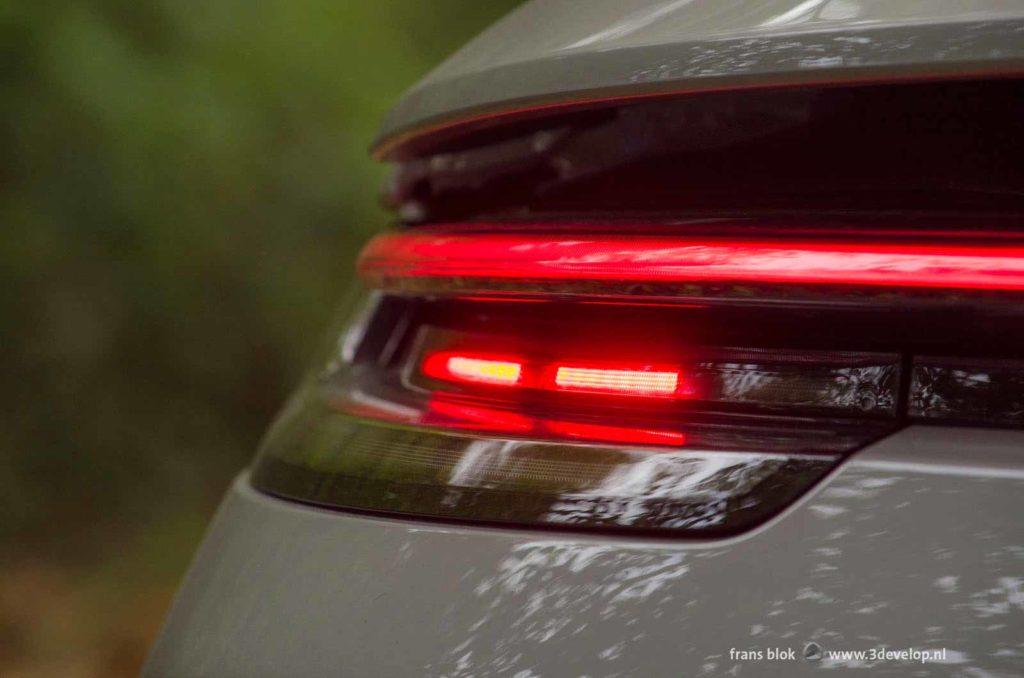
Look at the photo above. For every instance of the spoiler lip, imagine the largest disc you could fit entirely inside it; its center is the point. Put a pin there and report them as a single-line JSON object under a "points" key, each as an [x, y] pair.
{"points": [[475, 91]]}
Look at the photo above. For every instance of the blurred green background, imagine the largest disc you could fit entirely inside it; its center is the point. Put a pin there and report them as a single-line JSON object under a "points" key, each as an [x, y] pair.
{"points": [[184, 188]]}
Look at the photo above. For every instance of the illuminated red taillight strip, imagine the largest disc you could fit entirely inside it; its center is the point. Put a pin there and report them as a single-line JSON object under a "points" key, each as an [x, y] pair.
{"points": [[449, 366], [623, 381], [388, 259]]}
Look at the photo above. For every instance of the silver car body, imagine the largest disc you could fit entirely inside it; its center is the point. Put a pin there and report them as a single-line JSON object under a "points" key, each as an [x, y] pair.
{"points": [[915, 543]]}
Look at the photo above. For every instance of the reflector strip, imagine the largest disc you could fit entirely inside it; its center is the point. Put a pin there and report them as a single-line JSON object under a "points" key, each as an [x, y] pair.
{"points": [[615, 434], [455, 415], [630, 382], [535, 258], [459, 415], [452, 367]]}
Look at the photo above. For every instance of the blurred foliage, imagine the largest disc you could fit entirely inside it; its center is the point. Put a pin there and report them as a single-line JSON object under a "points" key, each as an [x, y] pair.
{"points": [[185, 186]]}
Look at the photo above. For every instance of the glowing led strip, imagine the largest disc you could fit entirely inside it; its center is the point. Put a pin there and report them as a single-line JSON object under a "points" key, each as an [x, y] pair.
{"points": [[635, 382], [430, 257]]}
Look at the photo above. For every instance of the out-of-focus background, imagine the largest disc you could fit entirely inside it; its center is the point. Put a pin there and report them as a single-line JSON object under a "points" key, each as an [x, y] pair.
{"points": [[183, 190]]}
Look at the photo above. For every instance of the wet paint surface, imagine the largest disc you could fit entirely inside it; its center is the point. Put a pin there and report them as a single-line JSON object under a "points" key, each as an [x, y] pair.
{"points": [[617, 48], [891, 551]]}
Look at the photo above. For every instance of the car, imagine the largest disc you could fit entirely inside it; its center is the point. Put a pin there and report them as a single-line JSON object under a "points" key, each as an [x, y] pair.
{"points": [[698, 351]]}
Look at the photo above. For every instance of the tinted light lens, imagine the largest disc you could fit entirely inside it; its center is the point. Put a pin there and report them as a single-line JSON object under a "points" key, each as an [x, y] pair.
{"points": [[323, 457], [968, 391]]}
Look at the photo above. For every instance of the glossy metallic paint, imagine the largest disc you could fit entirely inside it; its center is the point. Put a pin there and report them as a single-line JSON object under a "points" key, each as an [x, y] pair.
{"points": [[553, 53], [914, 542]]}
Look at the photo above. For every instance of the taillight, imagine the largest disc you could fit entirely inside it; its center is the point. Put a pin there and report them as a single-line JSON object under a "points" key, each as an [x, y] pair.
{"points": [[674, 314], [441, 258], [668, 383]]}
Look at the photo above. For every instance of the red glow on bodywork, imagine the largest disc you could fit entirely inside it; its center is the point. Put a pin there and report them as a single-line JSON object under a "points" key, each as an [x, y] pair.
{"points": [[552, 257], [615, 434], [459, 415]]}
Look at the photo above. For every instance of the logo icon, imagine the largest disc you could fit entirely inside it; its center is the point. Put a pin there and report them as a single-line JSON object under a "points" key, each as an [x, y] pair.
{"points": [[812, 652]]}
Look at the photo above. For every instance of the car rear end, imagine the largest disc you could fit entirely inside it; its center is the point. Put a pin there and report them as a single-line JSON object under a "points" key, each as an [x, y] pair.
{"points": [[697, 351]]}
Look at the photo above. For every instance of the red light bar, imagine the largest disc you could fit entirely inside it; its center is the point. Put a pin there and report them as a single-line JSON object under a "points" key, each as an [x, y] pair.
{"points": [[450, 366], [433, 255], [624, 381]]}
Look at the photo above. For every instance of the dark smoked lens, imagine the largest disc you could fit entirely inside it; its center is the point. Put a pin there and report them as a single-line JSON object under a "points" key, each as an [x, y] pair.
{"points": [[803, 381], [715, 486], [985, 392]]}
